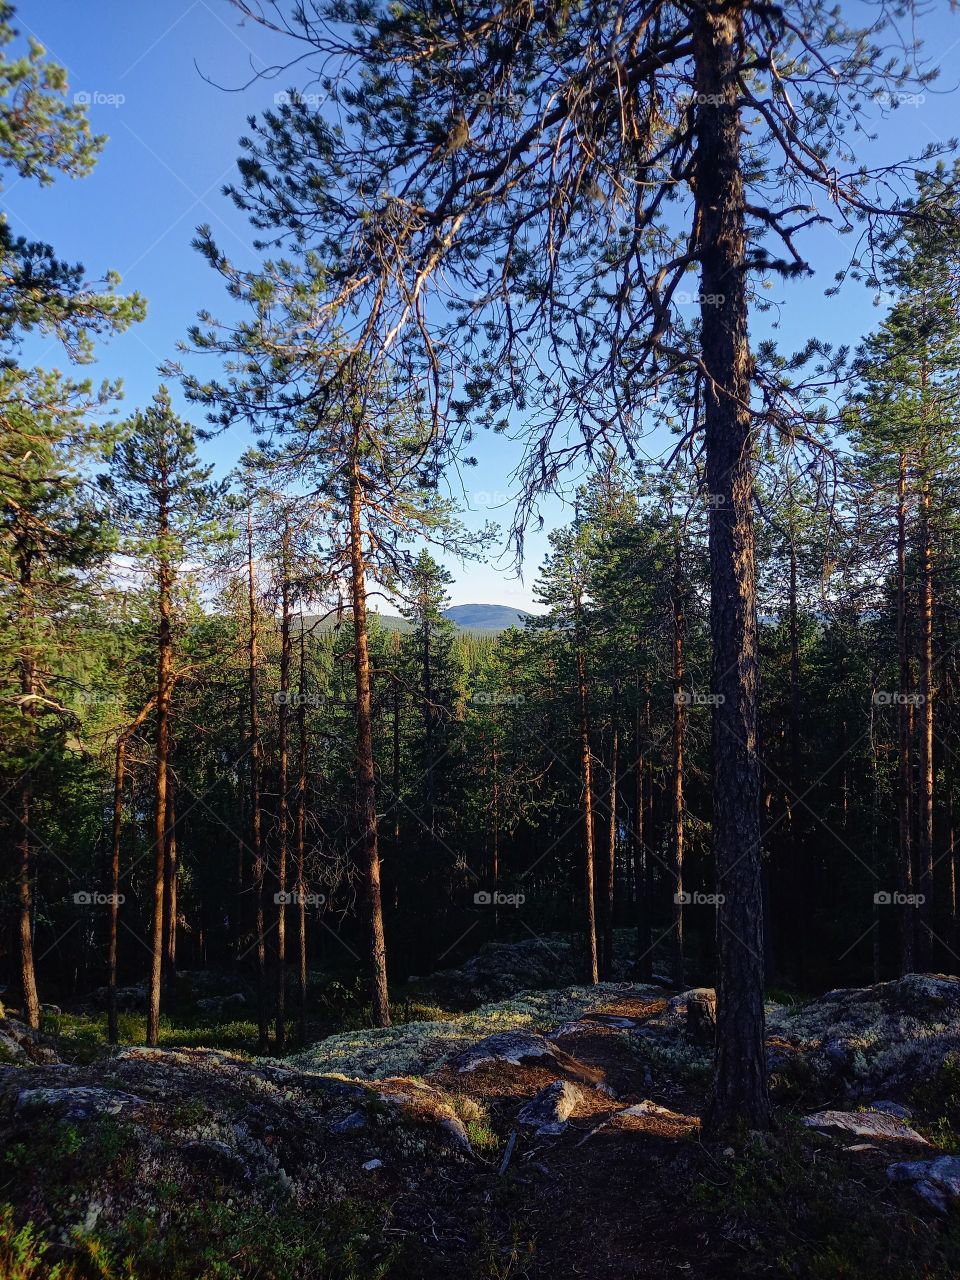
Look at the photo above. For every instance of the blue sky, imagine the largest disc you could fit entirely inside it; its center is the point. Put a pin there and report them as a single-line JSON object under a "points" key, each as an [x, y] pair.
{"points": [[173, 144]]}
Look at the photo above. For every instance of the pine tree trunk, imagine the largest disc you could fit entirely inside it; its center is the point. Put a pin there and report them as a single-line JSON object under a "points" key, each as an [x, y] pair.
{"points": [[925, 817], [644, 950], [366, 784], [256, 787], [679, 721], [740, 1079], [905, 771], [119, 771], [170, 898], [164, 667], [586, 765], [283, 722], [495, 853], [28, 977], [611, 861], [301, 842]]}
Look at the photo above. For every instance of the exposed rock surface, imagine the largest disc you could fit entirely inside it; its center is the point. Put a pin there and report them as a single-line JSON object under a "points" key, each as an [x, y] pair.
{"points": [[936, 1182], [547, 1113], [865, 1124]]}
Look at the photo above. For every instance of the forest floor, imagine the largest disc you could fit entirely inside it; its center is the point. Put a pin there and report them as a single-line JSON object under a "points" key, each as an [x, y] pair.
{"points": [[415, 1152]]}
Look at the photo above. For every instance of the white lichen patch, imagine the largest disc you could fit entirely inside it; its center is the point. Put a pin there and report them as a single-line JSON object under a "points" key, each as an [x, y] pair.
{"points": [[414, 1048]]}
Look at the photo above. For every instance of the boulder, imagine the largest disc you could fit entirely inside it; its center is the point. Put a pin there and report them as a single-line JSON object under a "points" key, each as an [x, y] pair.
{"points": [[865, 1124], [80, 1102], [548, 1111], [936, 1182], [515, 1047]]}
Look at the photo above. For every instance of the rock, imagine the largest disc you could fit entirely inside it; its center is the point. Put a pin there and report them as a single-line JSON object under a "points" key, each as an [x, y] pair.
{"points": [[21, 1045], [371, 1165], [936, 1182], [548, 1111], [352, 1123], [648, 1108], [79, 1103], [873, 1042], [516, 1047], [865, 1124], [891, 1108]]}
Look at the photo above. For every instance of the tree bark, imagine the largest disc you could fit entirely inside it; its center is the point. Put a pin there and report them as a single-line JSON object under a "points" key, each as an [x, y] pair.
{"points": [[366, 783], [283, 722], [904, 772], [256, 787], [301, 841], [611, 860], [740, 1080], [164, 668], [28, 977], [925, 817], [679, 723], [586, 766]]}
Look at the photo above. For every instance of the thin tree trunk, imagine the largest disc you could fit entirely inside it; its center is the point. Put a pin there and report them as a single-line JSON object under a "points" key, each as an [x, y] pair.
{"points": [[301, 841], [740, 1079], [283, 722], [256, 787], [113, 1032], [644, 950], [925, 818], [611, 861], [28, 977], [170, 897], [164, 666], [796, 880], [904, 774], [495, 854], [366, 784], [586, 764], [679, 721]]}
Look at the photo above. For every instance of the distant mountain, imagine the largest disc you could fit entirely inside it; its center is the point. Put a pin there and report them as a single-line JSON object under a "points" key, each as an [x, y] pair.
{"points": [[468, 617], [486, 617]]}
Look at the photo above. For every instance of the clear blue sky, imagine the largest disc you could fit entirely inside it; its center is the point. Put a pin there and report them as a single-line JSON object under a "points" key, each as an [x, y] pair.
{"points": [[173, 144]]}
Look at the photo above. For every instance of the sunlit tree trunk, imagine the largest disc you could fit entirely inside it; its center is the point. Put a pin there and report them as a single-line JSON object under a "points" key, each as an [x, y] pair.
{"points": [[904, 771], [300, 839], [366, 784], [283, 724], [24, 796], [164, 673], [256, 788]]}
